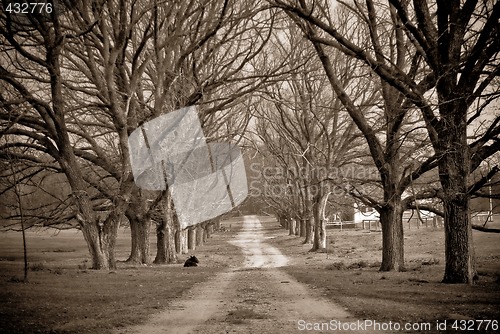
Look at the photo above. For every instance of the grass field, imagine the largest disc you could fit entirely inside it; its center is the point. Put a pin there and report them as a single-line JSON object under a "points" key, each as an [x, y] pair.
{"points": [[349, 275], [63, 296]]}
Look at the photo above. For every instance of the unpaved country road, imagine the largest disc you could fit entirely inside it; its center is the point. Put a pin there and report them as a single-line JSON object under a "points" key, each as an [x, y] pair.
{"points": [[257, 297]]}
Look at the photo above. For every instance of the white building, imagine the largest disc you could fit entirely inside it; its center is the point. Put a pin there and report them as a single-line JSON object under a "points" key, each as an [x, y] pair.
{"points": [[364, 213]]}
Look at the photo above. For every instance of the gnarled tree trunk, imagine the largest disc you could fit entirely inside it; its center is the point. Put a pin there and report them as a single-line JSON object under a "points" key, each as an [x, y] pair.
{"points": [[291, 226], [139, 232], [319, 242], [307, 230], [191, 232], [165, 242], [391, 219], [453, 174], [181, 241], [140, 224], [166, 249], [199, 235], [92, 233]]}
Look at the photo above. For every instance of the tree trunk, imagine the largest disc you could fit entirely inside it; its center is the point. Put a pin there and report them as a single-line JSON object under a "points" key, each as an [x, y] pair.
{"points": [[101, 241], [391, 219], [134, 251], [291, 226], [166, 232], [91, 234], [21, 215], [308, 233], [319, 242], [182, 241], [454, 168], [165, 242], [140, 242], [303, 228], [459, 249], [140, 225], [99, 236], [178, 241], [170, 234], [209, 228], [139, 233], [109, 235], [199, 235], [161, 243], [205, 232], [283, 222], [94, 231], [191, 232]]}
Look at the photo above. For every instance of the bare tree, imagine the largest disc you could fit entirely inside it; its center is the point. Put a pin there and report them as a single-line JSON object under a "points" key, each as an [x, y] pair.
{"points": [[211, 69], [456, 53], [304, 126], [389, 127], [17, 186], [119, 64], [34, 44]]}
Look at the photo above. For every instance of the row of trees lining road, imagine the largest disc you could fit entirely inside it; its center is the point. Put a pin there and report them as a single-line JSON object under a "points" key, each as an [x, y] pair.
{"points": [[75, 85], [399, 148], [440, 57], [387, 104], [303, 135]]}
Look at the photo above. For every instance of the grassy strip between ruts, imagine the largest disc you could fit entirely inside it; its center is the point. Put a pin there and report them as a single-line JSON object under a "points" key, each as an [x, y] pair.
{"points": [[62, 298], [349, 276]]}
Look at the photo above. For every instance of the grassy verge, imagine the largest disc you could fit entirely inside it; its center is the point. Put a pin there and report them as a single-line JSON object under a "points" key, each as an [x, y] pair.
{"points": [[349, 275], [62, 296]]}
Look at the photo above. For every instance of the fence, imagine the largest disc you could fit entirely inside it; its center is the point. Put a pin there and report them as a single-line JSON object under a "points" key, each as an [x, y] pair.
{"points": [[477, 218], [481, 218], [434, 222], [374, 224], [353, 224]]}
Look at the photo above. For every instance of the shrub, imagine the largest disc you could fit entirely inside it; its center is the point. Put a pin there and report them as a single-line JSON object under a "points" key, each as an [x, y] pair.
{"points": [[37, 267], [358, 265], [15, 279], [429, 262], [83, 265], [336, 266]]}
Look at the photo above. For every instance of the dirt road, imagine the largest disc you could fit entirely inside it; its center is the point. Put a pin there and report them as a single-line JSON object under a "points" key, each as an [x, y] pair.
{"points": [[256, 297]]}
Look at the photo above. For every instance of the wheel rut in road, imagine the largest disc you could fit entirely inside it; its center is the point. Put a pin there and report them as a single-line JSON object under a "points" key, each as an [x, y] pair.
{"points": [[257, 297]]}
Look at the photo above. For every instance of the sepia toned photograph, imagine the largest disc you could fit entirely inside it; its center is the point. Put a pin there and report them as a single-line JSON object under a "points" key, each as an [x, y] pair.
{"points": [[239, 166]]}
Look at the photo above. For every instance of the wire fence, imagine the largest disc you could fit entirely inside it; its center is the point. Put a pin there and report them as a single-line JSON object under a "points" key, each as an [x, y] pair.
{"points": [[435, 222]]}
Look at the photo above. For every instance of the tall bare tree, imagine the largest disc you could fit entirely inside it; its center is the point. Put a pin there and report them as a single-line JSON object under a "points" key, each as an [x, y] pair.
{"points": [[306, 129], [34, 45], [117, 65], [456, 47]]}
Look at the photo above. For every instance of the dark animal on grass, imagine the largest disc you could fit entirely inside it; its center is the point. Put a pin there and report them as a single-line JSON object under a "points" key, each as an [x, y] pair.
{"points": [[191, 262]]}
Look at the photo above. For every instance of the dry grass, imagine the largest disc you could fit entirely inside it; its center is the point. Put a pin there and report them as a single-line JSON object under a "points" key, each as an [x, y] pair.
{"points": [[349, 275], [62, 296]]}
